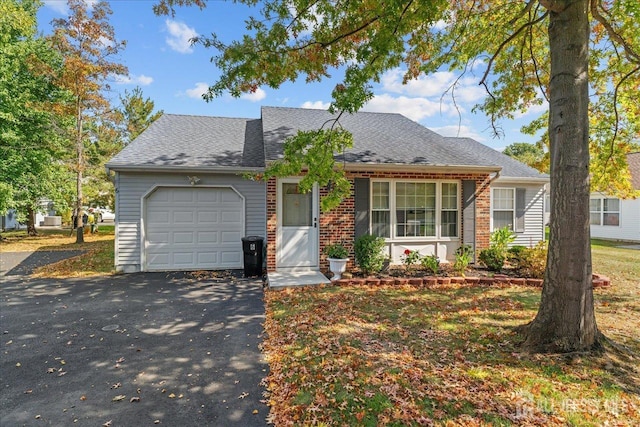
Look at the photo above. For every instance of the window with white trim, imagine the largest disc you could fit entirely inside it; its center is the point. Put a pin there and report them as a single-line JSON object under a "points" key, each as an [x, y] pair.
{"points": [[449, 210], [503, 206], [380, 209], [412, 209], [604, 211]]}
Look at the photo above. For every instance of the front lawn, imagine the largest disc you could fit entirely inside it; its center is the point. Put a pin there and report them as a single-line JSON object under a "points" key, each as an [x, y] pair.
{"points": [[363, 355], [97, 258]]}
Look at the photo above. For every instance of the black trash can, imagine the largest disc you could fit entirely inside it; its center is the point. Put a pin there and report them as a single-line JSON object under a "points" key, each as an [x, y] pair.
{"points": [[252, 248]]}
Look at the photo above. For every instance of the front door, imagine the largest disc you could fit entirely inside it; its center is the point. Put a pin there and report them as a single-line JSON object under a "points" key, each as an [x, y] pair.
{"points": [[297, 239]]}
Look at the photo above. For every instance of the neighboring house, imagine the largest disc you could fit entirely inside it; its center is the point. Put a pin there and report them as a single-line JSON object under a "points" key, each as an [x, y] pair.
{"points": [[182, 202], [614, 218], [9, 221]]}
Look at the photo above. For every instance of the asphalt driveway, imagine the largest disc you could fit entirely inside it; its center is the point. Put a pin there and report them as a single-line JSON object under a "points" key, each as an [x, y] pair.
{"points": [[175, 349]]}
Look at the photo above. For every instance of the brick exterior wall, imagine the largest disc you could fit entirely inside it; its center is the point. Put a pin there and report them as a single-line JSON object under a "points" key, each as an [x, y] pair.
{"points": [[338, 226]]}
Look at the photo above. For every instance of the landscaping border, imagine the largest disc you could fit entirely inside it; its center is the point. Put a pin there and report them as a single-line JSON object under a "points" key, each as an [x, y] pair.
{"points": [[598, 281]]}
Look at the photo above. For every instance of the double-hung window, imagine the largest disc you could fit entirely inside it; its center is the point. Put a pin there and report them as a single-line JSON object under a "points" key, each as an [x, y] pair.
{"points": [[604, 211], [449, 210], [408, 209], [380, 209], [504, 208]]}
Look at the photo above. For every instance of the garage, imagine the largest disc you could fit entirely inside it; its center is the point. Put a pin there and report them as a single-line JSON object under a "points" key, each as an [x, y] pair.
{"points": [[193, 228]]}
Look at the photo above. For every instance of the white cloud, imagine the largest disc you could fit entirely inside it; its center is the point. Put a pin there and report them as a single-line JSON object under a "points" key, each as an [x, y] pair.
{"points": [[59, 6], [432, 85], [316, 105], [180, 35], [199, 90], [133, 79], [256, 96], [458, 131], [414, 108], [533, 109], [62, 8]]}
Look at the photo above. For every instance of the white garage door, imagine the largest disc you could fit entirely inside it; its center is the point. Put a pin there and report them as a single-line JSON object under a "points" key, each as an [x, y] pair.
{"points": [[193, 228]]}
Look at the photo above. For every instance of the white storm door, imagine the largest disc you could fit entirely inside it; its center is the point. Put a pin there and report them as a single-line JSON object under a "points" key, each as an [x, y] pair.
{"points": [[297, 243]]}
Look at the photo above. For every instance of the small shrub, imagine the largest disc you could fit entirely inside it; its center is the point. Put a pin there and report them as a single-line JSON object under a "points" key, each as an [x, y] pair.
{"points": [[431, 263], [492, 258], [514, 253], [533, 261], [501, 238], [368, 253], [336, 251], [410, 258], [464, 255]]}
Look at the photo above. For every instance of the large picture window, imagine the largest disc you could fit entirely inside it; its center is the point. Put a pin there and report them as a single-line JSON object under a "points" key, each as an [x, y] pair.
{"points": [[407, 209], [604, 211]]}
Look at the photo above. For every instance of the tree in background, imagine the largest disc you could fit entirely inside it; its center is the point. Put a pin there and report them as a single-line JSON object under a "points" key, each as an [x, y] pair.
{"points": [[529, 52], [87, 42], [137, 113], [30, 145], [530, 154]]}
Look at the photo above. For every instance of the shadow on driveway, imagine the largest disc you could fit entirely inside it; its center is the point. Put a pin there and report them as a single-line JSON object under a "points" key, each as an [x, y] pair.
{"points": [[25, 263], [176, 349]]}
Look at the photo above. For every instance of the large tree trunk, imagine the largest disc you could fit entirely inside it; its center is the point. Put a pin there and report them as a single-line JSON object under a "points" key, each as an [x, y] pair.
{"points": [[566, 320]]}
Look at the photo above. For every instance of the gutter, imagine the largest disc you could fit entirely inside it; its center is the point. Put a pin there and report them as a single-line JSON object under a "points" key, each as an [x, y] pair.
{"points": [[523, 180], [180, 168], [402, 167]]}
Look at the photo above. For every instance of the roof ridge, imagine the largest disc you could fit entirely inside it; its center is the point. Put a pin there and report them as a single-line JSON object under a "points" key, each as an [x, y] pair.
{"points": [[327, 111], [209, 117]]}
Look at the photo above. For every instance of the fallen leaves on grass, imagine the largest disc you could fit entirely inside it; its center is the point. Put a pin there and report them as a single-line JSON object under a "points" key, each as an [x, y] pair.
{"points": [[408, 356]]}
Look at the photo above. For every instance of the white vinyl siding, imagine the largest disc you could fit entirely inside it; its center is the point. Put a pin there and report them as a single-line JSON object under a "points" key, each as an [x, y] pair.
{"points": [[533, 210], [628, 220], [131, 188]]}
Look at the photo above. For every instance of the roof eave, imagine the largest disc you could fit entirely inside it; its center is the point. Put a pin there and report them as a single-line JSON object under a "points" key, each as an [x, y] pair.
{"points": [[522, 179], [182, 168], [403, 167]]}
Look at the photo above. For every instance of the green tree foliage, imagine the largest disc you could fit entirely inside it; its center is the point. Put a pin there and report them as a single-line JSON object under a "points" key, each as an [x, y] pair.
{"points": [[137, 113], [529, 154], [29, 143], [528, 53], [87, 42], [313, 152]]}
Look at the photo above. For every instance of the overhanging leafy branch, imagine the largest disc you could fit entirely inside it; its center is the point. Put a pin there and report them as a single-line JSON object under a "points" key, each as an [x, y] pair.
{"points": [[310, 154]]}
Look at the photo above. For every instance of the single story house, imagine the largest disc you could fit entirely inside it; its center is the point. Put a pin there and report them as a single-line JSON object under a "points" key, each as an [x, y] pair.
{"points": [[617, 219], [184, 199]]}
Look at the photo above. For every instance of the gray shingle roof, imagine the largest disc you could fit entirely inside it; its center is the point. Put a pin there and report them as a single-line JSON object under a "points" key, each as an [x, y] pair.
{"points": [[195, 142], [511, 168], [183, 141], [378, 138]]}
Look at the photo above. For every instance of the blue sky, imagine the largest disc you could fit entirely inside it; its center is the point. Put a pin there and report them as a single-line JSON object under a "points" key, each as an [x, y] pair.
{"points": [[174, 74]]}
